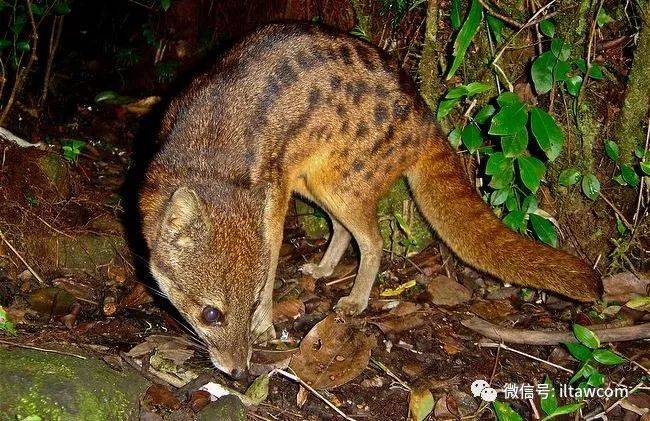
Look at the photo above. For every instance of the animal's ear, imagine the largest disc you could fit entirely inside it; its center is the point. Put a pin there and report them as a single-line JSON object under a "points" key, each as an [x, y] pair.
{"points": [[185, 211]]}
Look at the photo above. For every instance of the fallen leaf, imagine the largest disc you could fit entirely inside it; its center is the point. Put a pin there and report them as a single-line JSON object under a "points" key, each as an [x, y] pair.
{"points": [[264, 360], [51, 301], [288, 309], [198, 400], [492, 310], [624, 286], [173, 348], [405, 316], [137, 297], [420, 404], [258, 391], [301, 396], [447, 292], [393, 292], [334, 352], [143, 106], [159, 395]]}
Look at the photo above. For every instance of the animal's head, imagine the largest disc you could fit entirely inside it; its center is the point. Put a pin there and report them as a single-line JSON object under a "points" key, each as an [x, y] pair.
{"points": [[208, 258]]}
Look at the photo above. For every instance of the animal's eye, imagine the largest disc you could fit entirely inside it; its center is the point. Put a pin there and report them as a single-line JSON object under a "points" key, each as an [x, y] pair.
{"points": [[212, 315]]}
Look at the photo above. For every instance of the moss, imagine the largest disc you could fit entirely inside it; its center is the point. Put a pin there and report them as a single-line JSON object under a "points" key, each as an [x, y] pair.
{"points": [[572, 26], [311, 221], [58, 387], [430, 85], [635, 106], [55, 170]]}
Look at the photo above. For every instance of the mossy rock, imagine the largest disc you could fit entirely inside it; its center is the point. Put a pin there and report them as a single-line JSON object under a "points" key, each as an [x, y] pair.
{"points": [[395, 202], [228, 408], [55, 170], [61, 387]]}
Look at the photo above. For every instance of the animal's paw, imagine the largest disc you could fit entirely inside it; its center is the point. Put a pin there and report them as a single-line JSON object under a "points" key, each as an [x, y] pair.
{"points": [[315, 271], [351, 306]]}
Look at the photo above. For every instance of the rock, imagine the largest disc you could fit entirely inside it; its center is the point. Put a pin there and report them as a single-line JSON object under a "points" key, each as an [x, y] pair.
{"points": [[624, 286], [55, 170], [445, 291], [228, 408], [55, 386]]}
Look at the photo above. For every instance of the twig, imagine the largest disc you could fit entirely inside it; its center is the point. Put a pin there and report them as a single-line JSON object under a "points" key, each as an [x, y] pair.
{"points": [[54, 351], [636, 219], [388, 371], [339, 280], [312, 390], [33, 272], [614, 405], [10, 137], [516, 351], [536, 337], [617, 211], [510, 21], [55, 37]]}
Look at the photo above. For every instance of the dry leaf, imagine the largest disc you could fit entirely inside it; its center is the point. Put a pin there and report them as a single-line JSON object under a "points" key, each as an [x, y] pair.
{"points": [[288, 309], [173, 348], [301, 397], [420, 404], [159, 395], [447, 292], [332, 353], [405, 316], [624, 286], [199, 399]]}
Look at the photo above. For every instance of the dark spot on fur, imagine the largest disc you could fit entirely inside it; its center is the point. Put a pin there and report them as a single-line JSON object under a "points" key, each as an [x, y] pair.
{"points": [[346, 54], [335, 82], [389, 150], [345, 152], [314, 97], [400, 110], [368, 175], [357, 165], [406, 140], [330, 53], [317, 54], [306, 61], [345, 126], [365, 56], [341, 111], [381, 112], [356, 90], [286, 74], [362, 129], [383, 139], [345, 174], [381, 91]]}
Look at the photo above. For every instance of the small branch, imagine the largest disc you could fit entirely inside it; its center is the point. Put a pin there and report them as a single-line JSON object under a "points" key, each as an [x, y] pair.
{"points": [[516, 351], [33, 272], [510, 21], [312, 390], [535, 337], [614, 405], [10, 137], [54, 351], [637, 213], [617, 211]]}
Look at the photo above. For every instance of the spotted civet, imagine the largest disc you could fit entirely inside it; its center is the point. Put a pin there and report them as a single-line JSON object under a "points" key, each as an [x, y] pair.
{"points": [[303, 109]]}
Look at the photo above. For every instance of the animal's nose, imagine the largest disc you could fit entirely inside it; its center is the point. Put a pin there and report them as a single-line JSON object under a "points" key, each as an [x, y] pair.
{"points": [[237, 373]]}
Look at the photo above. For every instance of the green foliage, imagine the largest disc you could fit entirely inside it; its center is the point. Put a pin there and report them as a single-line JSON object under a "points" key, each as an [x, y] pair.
{"points": [[547, 27], [165, 4], [504, 412], [6, 324], [454, 14], [398, 9], [456, 94], [550, 405], [603, 18], [71, 148], [465, 35]]}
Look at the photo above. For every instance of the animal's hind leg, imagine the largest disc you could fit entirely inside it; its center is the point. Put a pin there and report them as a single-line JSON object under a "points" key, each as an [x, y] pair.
{"points": [[338, 244]]}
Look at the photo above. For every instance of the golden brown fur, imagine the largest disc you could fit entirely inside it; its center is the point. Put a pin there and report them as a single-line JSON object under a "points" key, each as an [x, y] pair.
{"points": [[297, 108]]}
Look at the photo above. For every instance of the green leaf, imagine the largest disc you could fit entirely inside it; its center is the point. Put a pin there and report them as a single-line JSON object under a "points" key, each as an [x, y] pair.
{"points": [[530, 204], [403, 225], [547, 27], [549, 403], [586, 336], [512, 203], [106, 96], [503, 179], [542, 72], [516, 220], [456, 92], [573, 85], [454, 137], [629, 175], [578, 351], [499, 197], [569, 177], [590, 186], [547, 133], [5, 323], [585, 371], [645, 167], [563, 410], [62, 8], [603, 18], [165, 4], [474, 88], [496, 26], [544, 230], [596, 380], [596, 72], [611, 149], [620, 226], [516, 144], [484, 113], [19, 24], [472, 138], [454, 14], [421, 404], [509, 120], [465, 35], [531, 171], [561, 49], [560, 71], [640, 152], [504, 412], [497, 163], [445, 107], [607, 357], [23, 46], [508, 98], [4, 43], [37, 10]]}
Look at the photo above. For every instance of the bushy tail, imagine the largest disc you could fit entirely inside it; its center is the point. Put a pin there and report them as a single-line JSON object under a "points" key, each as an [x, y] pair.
{"points": [[478, 237]]}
